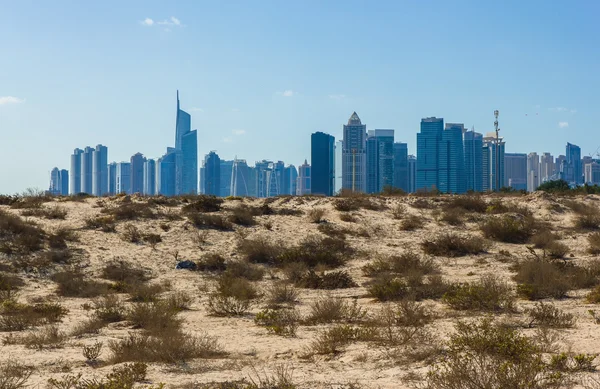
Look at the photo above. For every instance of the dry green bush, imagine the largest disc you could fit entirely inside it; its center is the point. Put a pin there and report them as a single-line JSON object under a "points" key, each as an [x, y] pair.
{"points": [[244, 269], [204, 203], [412, 222], [406, 263], [53, 213], [339, 279], [155, 318], [589, 221], [179, 301], [72, 283], [130, 211], [333, 231], [283, 322], [348, 217], [483, 355], [109, 309], [124, 272], [469, 203], [401, 324], [14, 375], [333, 340], [210, 221], [47, 337], [490, 294], [329, 309], [499, 207], [549, 316], [18, 236], [91, 325], [242, 215], [219, 305], [142, 292], [315, 215], [594, 296], [282, 293], [131, 234], [398, 211], [594, 242], [389, 287], [92, 352], [60, 237], [314, 251], [211, 262], [102, 223], [453, 216], [122, 377], [454, 245], [422, 203], [260, 250], [171, 347], [18, 317], [510, 229], [232, 297]]}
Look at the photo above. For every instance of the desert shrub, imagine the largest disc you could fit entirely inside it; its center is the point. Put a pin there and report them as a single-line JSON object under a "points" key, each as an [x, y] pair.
{"points": [[282, 322], [142, 292], [242, 215], [540, 278], [593, 297], [179, 301], [509, 229], [454, 245], [549, 316], [204, 203], [60, 237], [315, 215], [18, 317], [131, 234], [10, 282], [130, 211], [219, 305], [72, 283], [92, 352], [330, 309], [348, 217], [490, 294], [171, 347], [92, 325], [18, 236], [232, 297], [572, 363], [472, 203], [453, 216], [483, 355], [411, 223], [8, 199], [557, 249], [282, 293], [14, 375], [125, 272], [333, 231], [499, 207], [53, 213], [580, 208], [211, 262], [121, 377], [102, 223], [210, 221], [259, 250], [543, 239], [403, 264], [152, 239], [313, 251], [333, 340], [400, 324], [398, 211], [594, 242], [346, 205], [283, 211], [340, 279], [47, 337], [244, 269], [389, 287], [109, 309], [156, 317], [422, 203], [240, 288], [589, 221]]}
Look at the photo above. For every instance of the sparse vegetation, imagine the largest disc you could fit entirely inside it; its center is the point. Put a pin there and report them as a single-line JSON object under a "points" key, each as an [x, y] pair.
{"points": [[330, 309], [72, 283], [19, 237], [549, 316], [210, 221], [509, 229], [14, 375], [339, 279], [411, 223], [454, 245], [405, 264], [242, 215], [315, 215], [594, 242], [282, 322], [490, 294]]}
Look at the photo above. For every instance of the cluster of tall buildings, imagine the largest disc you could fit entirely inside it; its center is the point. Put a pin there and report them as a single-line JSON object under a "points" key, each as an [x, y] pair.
{"points": [[449, 158], [174, 173]]}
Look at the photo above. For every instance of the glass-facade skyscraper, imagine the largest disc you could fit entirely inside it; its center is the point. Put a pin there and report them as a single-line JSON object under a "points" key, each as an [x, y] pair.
{"points": [[515, 171], [165, 173], [451, 175], [380, 160], [149, 177], [75, 172], [428, 143], [322, 160], [574, 174], [290, 179], [186, 154], [123, 180], [400, 180], [473, 154], [304, 173], [136, 180], [87, 159], [240, 178], [100, 170], [212, 174], [354, 150], [225, 178], [490, 150]]}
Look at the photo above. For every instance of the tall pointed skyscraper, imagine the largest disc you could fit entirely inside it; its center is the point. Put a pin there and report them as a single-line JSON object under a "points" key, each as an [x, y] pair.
{"points": [[354, 162], [186, 154]]}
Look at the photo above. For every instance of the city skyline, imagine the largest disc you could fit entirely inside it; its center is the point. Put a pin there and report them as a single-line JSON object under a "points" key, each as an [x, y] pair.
{"points": [[258, 92]]}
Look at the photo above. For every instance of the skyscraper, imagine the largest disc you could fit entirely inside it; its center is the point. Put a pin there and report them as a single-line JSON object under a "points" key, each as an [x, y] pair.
{"points": [[515, 171], [574, 174], [64, 182], [428, 142], [100, 170], [212, 174], [165, 173], [149, 177], [290, 180], [473, 151], [558, 166], [123, 179], [322, 159], [304, 173], [354, 163], [451, 176], [592, 173], [261, 169], [59, 182], [400, 180], [380, 160], [533, 172], [75, 172], [186, 154], [87, 170], [493, 155], [339, 145], [225, 179], [240, 178], [412, 174], [112, 178], [275, 178], [136, 180], [546, 167]]}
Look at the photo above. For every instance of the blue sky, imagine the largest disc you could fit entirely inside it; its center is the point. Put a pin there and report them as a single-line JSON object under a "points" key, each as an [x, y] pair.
{"points": [[258, 77]]}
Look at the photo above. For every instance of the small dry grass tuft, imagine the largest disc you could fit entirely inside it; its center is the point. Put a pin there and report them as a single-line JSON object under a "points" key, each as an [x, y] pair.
{"points": [[510, 229], [72, 283], [48, 337], [406, 264], [315, 215], [454, 245], [594, 242], [14, 375], [490, 294], [329, 309], [412, 222], [549, 316]]}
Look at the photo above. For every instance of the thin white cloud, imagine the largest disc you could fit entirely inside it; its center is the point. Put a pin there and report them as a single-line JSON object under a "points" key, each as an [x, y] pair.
{"points": [[238, 132], [562, 109], [287, 93], [10, 100], [337, 97], [563, 124], [147, 22], [228, 139], [171, 22], [196, 109]]}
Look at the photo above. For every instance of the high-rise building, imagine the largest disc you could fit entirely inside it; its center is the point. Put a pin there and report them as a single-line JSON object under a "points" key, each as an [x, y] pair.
{"points": [[380, 160], [451, 175], [149, 177], [64, 182], [586, 159], [412, 174], [574, 174], [112, 178], [75, 172], [212, 174], [322, 160], [304, 172], [546, 167], [240, 178], [428, 143], [123, 179], [558, 166], [136, 177], [59, 182], [533, 172], [275, 175], [290, 180], [493, 155], [339, 146], [354, 163], [473, 152], [515, 171], [186, 150], [400, 161], [165, 173], [201, 188], [592, 173], [261, 177], [225, 172], [100, 170], [87, 159]]}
